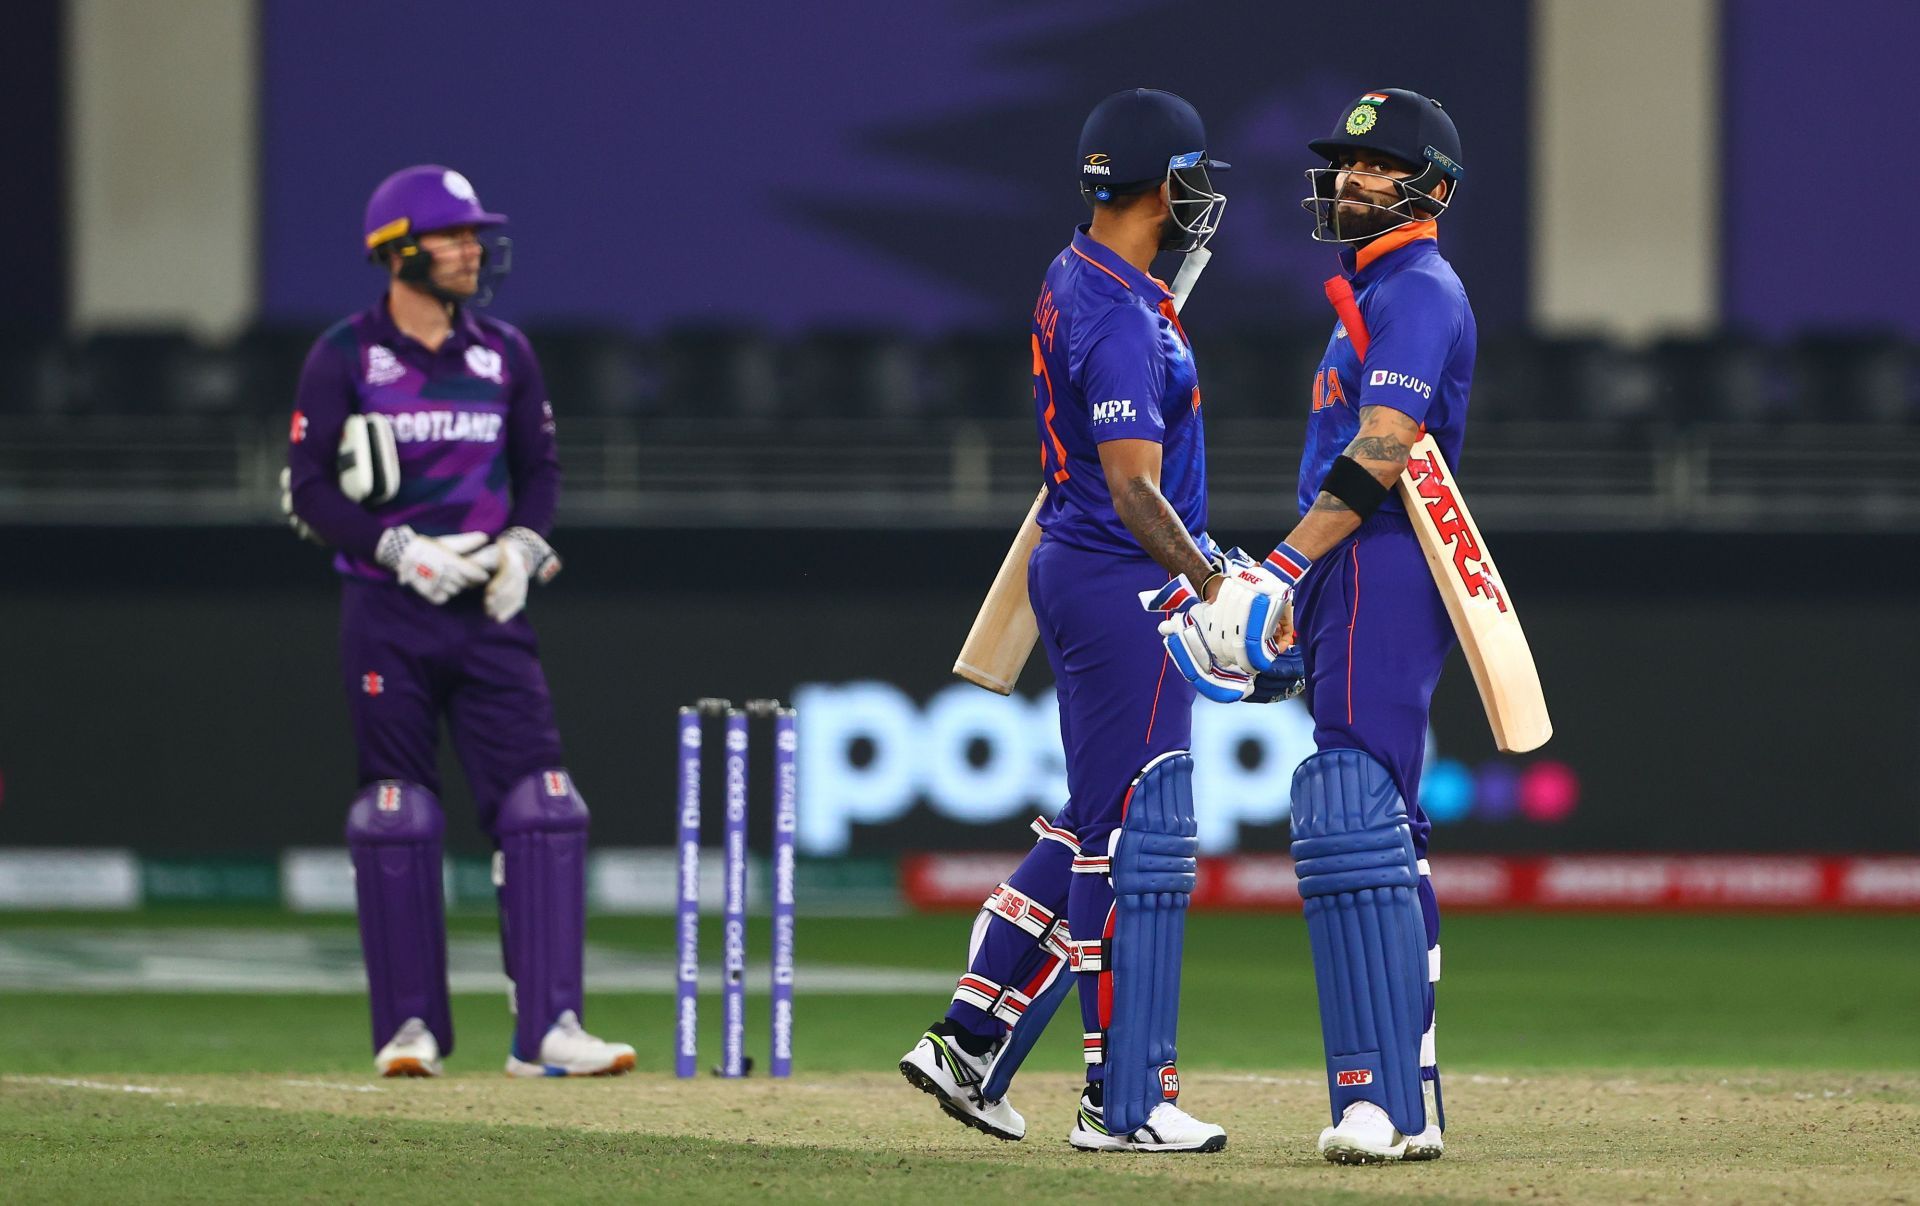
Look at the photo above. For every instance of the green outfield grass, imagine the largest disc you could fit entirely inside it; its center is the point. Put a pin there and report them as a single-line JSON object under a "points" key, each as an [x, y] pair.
{"points": [[1518, 992], [1656, 1058]]}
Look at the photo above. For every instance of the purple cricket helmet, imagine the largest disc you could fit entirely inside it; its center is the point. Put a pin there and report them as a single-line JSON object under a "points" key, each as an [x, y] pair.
{"points": [[428, 197]]}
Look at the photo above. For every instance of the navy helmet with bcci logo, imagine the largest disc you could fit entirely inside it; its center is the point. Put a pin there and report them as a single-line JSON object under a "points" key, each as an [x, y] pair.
{"points": [[1401, 125], [1140, 138]]}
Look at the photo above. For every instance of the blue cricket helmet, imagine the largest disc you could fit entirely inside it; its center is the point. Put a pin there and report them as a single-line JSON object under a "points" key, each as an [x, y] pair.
{"points": [[1139, 138], [1400, 124]]}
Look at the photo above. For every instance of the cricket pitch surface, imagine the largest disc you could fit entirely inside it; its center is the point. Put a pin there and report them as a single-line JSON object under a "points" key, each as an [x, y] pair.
{"points": [[1708, 1136]]}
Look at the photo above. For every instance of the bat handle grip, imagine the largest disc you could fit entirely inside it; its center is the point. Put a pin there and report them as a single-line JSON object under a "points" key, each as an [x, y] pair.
{"points": [[1190, 269]]}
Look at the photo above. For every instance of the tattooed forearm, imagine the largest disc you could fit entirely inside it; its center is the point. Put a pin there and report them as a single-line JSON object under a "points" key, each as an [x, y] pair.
{"points": [[1153, 522], [1327, 502], [1386, 448], [1386, 439]]}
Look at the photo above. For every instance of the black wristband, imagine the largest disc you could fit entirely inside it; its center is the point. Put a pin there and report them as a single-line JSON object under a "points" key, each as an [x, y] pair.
{"points": [[1350, 482]]}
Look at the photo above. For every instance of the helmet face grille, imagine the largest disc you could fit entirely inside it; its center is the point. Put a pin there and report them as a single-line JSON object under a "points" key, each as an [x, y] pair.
{"points": [[1414, 204]]}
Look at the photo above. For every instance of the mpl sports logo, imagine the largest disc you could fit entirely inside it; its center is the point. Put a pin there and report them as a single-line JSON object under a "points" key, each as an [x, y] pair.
{"points": [[1401, 381], [1114, 410], [1443, 505], [1348, 1078]]}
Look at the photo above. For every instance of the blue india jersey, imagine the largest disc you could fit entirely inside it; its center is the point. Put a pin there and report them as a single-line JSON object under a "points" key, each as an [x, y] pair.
{"points": [[1111, 362], [1420, 342]]}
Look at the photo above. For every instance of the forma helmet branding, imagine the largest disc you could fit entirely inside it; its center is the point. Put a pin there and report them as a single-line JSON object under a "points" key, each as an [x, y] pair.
{"points": [[1140, 138]]}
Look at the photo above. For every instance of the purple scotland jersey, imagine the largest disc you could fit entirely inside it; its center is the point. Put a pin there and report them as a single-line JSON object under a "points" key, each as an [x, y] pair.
{"points": [[471, 420]]}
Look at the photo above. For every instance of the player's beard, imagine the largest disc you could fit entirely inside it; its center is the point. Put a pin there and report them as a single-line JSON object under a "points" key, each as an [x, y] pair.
{"points": [[1368, 222], [456, 286], [1173, 236]]}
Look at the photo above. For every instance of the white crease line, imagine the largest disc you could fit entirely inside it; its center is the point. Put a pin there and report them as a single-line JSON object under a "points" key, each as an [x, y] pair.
{"points": [[1258, 1080], [59, 1082], [327, 1084]]}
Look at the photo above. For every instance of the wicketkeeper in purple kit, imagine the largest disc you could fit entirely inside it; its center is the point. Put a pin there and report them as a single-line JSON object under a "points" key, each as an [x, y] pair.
{"points": [[422, 449]]}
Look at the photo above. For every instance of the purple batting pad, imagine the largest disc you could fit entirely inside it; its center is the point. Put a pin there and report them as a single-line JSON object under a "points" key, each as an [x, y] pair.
{"points": [[542, 830], [393, 833]]}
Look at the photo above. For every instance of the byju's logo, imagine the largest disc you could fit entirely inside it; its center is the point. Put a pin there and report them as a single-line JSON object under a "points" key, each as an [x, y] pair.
{"points": [[1401, 381]]}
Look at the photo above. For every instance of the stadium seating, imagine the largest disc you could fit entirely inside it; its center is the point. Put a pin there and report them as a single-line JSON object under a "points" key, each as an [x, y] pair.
{"points": [[742, 374]]}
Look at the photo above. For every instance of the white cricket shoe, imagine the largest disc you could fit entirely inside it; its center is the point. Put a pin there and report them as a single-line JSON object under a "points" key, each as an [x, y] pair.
{"points": [[942, 1068], [1367, 1136], [567, 1050], [412, 1051], [1168, 1129]]}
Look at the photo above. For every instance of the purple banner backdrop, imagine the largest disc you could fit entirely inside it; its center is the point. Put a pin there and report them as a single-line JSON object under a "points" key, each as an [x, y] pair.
{"points": [[1819, 165], [849, 162]]}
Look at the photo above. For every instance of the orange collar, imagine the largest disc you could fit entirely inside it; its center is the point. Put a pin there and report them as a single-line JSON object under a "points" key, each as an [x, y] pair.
{"points": [[1394, 240]]}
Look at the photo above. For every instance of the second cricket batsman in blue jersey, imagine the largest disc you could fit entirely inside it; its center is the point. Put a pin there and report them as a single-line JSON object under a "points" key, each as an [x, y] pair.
{"points": [[1100, 899]]}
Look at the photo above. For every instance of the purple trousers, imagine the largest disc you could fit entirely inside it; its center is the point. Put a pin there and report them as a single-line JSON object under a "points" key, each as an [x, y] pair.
{"points": [[406, 663]]}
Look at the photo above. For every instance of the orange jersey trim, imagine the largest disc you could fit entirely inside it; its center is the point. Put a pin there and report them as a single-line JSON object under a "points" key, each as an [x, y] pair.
{"points": [[1102, 267], [1394, 240]]}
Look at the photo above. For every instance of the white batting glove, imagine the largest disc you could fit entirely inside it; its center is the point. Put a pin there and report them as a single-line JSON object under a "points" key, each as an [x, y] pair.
{"points": [[436, 569], [1186, 643], [1242, 624]]}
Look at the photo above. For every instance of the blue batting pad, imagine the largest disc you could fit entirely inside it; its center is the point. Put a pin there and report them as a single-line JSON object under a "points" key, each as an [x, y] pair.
{"points": [[1024, 1034], [1153, 869], [1359, 882]]}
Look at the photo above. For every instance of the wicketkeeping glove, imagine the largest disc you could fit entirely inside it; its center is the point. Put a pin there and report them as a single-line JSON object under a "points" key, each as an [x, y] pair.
{"points": [[436, 568]]}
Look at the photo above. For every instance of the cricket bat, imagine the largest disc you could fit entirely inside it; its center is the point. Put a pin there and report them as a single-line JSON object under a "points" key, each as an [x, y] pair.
{"points": [[1004, 632], [1477, 601]]}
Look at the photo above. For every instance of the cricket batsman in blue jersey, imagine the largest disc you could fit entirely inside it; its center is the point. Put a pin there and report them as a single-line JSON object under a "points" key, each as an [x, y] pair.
{"points": [[1369, 623], [1101, 897], [422, 449]]}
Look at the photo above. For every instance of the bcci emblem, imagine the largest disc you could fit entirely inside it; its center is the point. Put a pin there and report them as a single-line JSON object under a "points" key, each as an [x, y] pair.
{"points": [[1362, 119]]}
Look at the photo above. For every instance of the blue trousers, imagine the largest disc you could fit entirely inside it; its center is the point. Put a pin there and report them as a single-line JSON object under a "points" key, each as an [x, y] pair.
{"points": [[1121, 706], [1375, 635]]}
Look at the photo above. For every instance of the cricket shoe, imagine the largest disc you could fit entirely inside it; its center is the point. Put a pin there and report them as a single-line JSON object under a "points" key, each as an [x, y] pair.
{"points": [[1367, 1136], [1168, 1129], [567, 1050], [412, 1051], [938, 1065]]}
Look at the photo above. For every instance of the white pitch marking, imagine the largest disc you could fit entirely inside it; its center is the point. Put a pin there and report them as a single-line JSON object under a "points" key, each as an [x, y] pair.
{"points": [[63, 1083], [327, 1084]]}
